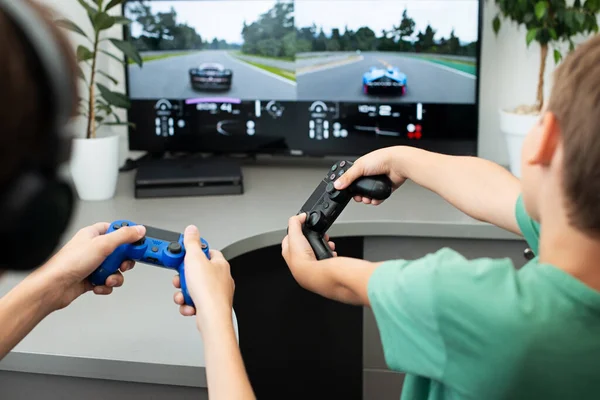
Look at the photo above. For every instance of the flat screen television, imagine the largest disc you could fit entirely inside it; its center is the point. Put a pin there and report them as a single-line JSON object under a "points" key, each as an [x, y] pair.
{"points": [[303, 77]]}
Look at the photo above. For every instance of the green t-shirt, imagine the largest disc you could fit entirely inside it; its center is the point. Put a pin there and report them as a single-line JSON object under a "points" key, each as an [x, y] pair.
{"points": [[481, 329]]}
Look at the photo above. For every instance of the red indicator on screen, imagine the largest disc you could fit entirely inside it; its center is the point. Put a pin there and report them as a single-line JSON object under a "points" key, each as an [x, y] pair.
{"points": [[418, 132]]}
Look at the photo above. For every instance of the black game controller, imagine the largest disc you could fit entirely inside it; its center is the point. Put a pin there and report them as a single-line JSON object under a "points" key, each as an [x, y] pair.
{"points": [[326, 203]]}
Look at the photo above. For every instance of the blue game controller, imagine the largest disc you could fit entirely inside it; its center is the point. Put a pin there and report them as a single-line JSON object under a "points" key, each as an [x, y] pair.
{"points": [[158, 247]]}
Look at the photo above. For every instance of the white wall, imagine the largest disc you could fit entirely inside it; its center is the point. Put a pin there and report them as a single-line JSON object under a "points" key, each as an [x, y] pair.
{"points": [[502, 85]]}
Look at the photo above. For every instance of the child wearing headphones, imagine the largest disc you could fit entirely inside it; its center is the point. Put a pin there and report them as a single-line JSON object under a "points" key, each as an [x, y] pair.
{"points": [[481, 329], [38, 95]]}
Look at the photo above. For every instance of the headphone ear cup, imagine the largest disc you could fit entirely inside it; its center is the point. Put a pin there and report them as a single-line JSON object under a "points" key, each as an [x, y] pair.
{"points": [[40, 211]]}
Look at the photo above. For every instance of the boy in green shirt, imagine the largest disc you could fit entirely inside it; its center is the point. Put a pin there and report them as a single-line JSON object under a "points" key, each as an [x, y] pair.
{"points": [[481, 329]]}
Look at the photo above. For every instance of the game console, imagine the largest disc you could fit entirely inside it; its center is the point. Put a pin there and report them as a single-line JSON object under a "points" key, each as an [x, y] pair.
{"points": [[158, 247], [326, 203], [188, 176]]}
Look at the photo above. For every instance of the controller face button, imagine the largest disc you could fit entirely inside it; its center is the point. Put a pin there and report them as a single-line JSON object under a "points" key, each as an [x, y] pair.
{"points": [[174, 248], [115, 227], [124, 224], [332, 177], [203, 246], [154, 249], [334, 167], [342, 163]]}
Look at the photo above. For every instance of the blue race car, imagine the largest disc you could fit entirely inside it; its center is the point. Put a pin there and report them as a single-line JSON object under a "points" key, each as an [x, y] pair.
{"points": [[384, 81]]}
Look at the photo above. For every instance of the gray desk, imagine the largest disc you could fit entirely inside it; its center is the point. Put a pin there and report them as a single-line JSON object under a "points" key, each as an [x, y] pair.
{"points": [[136, 334]]}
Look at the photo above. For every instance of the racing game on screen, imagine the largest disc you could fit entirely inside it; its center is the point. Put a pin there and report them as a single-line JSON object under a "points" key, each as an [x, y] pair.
{"points": [[341, 56]]}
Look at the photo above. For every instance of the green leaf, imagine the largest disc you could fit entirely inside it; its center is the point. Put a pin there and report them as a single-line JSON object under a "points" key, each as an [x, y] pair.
{"points": [[113, 80], [90, 10], [128, 49], [84, 54], [557, 56], [531, 34], [496, 24], [113, 98], [102, 21], [122, 20], [66, 24], [571, 45], [553, 34], [540, 9], [112, 3], [99, 3], [593, 5], [113, 56], [580, 18]]}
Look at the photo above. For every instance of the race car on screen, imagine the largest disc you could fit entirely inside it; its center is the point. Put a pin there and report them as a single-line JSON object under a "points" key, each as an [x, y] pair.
{"points": [[211, 76], [384, 81]]}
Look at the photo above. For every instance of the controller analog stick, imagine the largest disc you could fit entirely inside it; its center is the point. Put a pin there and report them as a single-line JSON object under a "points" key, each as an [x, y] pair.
{"points": [[174, 248], [316, 220], [334, 194], [140, 242]]}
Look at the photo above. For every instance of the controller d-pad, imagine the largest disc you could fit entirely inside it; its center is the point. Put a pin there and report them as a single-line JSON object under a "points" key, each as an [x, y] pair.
{"points": [[174, 247]]}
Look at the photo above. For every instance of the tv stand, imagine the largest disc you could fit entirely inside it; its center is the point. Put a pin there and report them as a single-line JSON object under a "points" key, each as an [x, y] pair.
{"points": [[189, 175]]}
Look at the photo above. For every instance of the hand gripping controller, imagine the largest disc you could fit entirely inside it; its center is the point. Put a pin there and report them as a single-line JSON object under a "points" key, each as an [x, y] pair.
{"points": [[326, 203], [159, 247]]}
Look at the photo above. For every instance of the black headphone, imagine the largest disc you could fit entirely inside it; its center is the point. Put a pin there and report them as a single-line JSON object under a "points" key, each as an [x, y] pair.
{"points": [[36, 206]]}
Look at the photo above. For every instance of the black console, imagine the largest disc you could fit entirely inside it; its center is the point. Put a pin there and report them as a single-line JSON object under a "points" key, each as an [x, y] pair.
{"points": [[326, 203], [188, 176]]}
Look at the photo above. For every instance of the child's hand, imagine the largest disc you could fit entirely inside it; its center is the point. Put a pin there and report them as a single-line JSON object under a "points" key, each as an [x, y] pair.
{"points": [[69, 269], [297, 252], [209, 282], [379, 162]]}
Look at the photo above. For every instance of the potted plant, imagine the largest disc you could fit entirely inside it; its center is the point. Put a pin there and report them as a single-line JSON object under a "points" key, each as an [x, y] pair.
{"points": [[95, 158], [553, 25]]}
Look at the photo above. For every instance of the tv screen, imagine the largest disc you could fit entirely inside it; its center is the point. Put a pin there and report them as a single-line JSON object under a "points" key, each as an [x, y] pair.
{"points": [[303, 77]]}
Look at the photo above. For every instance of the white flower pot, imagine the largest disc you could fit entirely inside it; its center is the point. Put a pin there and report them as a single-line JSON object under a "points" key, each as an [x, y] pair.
{"points": [[95, 167], [515, 127]]}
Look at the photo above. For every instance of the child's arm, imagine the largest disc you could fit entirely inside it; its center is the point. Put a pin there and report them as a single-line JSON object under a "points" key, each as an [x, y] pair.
{"points": [[211, 286], [479, 188], [225, 371], [339, 278], [61, 280], [22, 309]]}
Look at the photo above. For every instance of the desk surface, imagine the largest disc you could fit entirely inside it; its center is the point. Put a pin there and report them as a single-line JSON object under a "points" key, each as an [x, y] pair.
{"points": [[137, 333]]}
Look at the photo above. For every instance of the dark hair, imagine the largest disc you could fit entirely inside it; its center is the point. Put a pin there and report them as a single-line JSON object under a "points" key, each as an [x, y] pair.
{"points": [[24, 119], [575, 101]]}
